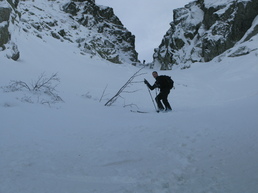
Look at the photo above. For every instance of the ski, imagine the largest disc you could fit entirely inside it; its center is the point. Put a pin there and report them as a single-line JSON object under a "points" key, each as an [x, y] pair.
{"points": [[137, 111]]}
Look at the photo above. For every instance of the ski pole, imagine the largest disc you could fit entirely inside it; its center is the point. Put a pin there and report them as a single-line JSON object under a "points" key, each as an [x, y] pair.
{"points": [[153, 101]]}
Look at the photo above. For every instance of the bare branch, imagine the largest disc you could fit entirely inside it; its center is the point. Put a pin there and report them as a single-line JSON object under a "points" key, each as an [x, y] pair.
{"points": [[121, 90], [103, 93], [18, 85]]}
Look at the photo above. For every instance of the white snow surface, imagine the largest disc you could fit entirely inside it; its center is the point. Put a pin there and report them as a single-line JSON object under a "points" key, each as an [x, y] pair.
{"points": [[216, 3], [208, 143]]}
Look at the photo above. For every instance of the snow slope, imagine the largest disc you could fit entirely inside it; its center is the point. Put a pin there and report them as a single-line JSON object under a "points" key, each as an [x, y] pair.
{"points": [[216, 3], [207, 144]]}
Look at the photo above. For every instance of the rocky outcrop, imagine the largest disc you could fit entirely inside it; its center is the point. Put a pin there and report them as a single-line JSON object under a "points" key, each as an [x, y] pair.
{"points": [[8, 15], [5, 13], [204, 29], [109, 38], [94, 29]]}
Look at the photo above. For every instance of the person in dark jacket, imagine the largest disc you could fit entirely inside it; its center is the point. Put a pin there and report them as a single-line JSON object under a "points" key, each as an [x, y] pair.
{"points": [[163, 94]]}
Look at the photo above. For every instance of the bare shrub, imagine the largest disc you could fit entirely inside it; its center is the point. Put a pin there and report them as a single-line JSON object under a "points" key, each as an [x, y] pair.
{"points": [[43, 87]]}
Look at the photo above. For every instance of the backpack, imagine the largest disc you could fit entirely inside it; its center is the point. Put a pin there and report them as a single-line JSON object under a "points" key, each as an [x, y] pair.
{"points": [[167, 82]]}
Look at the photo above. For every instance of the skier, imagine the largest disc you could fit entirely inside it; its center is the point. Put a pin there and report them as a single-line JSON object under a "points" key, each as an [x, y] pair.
{"points": [[164, 86]]}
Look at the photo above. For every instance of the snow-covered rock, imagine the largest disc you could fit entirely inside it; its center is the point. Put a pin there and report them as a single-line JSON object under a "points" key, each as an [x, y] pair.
{"points": [[204, 29], [94, 29], [107, 36], [8, 19]]}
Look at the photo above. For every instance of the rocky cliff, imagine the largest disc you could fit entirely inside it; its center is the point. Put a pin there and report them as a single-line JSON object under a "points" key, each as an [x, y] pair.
{"points": [[108, 37], [8, 19], [94, 29], [204, 29]]}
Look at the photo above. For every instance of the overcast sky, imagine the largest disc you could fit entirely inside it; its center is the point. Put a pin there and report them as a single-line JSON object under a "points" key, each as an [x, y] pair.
{"points": [[148, 20]]}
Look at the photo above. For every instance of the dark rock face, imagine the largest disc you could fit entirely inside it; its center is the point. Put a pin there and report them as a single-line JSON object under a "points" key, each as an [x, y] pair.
{"points": [[7, 18], [203, 30], [4, 20], [115, 44]]}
